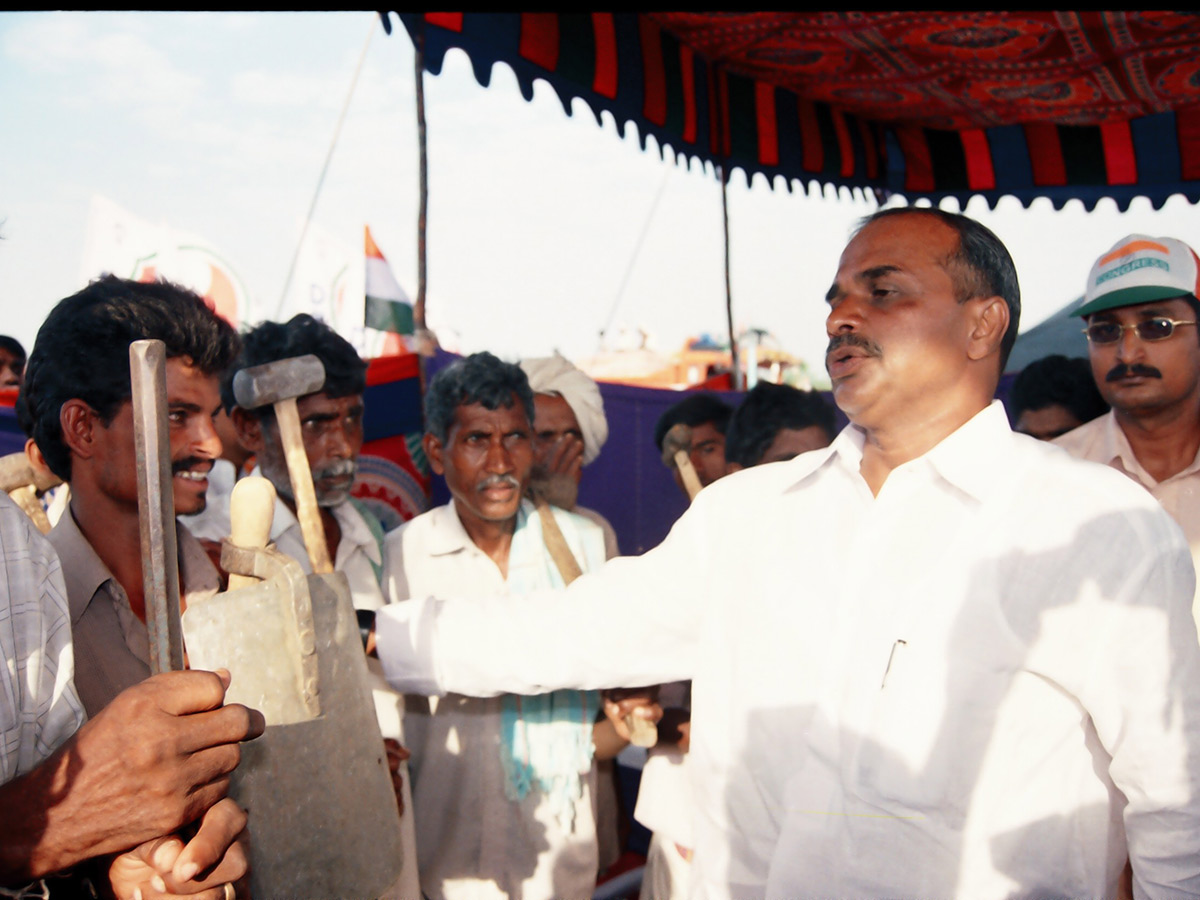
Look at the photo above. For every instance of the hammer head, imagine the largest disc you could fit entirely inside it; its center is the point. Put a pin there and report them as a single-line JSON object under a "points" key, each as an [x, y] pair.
{"points": [[279, 380], [678, 437]]}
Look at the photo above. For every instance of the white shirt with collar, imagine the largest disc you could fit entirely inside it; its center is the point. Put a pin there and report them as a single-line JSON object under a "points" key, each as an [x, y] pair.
{"points": [[474, 841], [39, 708], [979, 683], [358, 552], [1102, 440]]}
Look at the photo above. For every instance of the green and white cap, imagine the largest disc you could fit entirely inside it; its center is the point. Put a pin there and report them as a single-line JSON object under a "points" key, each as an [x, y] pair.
{"points": [[1141, 269]]}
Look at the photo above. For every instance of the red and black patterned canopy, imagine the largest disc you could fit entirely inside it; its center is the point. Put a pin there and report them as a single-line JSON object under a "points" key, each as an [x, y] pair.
{"points": [[928, 104]]}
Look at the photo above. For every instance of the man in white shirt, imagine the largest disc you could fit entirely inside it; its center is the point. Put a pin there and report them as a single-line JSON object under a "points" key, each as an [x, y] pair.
{"points": [[503, 787], [935, 659], [569, 430], [1144, 345]]}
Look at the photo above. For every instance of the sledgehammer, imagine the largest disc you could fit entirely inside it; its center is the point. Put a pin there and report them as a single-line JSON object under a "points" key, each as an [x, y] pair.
{"points": [[280, 383]]}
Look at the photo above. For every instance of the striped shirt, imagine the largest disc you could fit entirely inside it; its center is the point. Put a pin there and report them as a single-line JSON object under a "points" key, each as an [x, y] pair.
{"points": [[39, 708]]}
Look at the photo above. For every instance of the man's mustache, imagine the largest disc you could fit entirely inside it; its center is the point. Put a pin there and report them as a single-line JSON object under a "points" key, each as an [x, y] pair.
{"points": [[498, 481], [337, 469], [854, 340], [1121, 370]]}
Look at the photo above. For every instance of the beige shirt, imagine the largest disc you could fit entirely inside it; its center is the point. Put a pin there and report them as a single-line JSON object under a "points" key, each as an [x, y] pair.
{"points": [[112, 646], [472, 841], [1102, 440]]}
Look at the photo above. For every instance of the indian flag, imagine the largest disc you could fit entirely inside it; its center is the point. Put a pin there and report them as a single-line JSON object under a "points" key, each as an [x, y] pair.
{"points": [[388, 308]]}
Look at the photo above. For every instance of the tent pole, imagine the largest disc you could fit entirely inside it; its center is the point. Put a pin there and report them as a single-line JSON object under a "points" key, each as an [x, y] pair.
{"points": [[337, 131], [737, 379], [423, 176]]}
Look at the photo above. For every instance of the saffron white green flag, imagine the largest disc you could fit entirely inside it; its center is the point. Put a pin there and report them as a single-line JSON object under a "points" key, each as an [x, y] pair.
{"points": [[388, 310]]}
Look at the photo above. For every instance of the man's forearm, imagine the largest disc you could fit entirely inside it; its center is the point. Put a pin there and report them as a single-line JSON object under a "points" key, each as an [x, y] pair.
{"points": [[40, 831]]}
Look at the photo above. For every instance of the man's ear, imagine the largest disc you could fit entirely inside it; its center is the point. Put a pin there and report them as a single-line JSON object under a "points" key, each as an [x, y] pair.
{"points": [[434, 453], [249, 430], [78, 422], [990, 326]]}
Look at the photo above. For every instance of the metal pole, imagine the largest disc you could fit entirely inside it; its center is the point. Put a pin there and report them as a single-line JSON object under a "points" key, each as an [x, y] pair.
{"points": [[723, 172], [423, 173], [337, 131]]}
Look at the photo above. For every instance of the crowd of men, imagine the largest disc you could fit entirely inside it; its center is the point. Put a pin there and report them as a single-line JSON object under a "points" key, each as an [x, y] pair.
{"points": [[922, 656]]}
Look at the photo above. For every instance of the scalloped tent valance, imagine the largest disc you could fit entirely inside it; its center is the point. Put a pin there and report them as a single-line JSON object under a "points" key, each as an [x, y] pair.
{"points": [[1064, 105]]}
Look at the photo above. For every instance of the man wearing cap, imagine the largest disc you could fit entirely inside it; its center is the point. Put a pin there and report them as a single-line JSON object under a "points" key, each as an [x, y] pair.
{"points": [[1141, 313], [569, 429]]}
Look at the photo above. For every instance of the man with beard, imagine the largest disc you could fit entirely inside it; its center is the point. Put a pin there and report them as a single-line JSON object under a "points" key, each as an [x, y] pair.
{"points": [[331, 424], [1144, 345], [934, 659], [569, 430]]}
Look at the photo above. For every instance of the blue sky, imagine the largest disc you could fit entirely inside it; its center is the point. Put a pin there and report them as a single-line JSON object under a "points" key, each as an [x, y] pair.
{"points": [[218, 124]]}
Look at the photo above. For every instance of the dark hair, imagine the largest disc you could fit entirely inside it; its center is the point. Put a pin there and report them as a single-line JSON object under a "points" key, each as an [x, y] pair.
{"points": [[981, 266], [697, 409], [1057, 380], [767, 410], [82, 352], [478, 378], [13, 346], [267, 342]]}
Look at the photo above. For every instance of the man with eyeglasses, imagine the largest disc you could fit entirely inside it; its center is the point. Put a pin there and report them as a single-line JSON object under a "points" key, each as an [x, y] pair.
{"points": [[1141, 312]]}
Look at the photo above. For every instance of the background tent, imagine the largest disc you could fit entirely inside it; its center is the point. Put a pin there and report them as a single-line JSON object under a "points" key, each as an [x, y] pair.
{"points": [[1070, 104]]}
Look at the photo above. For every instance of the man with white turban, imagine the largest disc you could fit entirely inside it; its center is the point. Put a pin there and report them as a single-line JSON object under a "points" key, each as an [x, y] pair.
{"points": [[569, 428]]}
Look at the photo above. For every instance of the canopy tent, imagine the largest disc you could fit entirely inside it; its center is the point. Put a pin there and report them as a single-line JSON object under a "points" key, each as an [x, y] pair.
{"points": [[1081, 104]]}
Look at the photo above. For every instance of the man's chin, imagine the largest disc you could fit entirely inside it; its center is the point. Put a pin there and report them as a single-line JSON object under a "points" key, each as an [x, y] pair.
{"points": [[191, 507], [329, 499]]}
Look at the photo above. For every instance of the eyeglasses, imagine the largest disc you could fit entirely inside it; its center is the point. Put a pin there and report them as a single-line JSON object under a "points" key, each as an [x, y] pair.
{"points": [[1157, 329]]}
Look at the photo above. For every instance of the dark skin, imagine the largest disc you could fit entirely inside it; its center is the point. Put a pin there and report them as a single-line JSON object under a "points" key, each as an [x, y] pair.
{"points": [[156, 758], [486, 458], [103, 470], [104, 505], [332, 431]]}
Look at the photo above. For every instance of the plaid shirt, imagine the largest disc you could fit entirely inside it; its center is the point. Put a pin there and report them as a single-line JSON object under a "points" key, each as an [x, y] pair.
{"points": [[39, 708]]}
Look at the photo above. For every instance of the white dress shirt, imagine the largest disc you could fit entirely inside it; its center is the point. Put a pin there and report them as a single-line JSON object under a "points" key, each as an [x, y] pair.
{"points": [[1102, 440], [38, 705], [978, 683]]}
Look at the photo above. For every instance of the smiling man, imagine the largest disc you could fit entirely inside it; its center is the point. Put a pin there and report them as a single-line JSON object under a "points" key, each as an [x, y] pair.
{"points": [[934, 659], [76, 405], [503, 787], [1144, 344]]}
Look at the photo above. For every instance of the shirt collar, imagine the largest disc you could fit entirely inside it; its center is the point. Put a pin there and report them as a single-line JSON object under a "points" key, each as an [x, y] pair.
{"points": [[354, 528], [447, 534], [1118, 452], [963, 458], [85, 573]]}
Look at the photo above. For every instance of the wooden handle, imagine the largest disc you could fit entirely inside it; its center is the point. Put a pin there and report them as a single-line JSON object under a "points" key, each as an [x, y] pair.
{"points": [[251, 512], [691, 481], [307, 511], [642, 732]]}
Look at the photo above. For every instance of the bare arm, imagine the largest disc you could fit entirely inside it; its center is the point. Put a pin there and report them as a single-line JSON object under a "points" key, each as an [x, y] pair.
{"points": [[155, 759]]}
